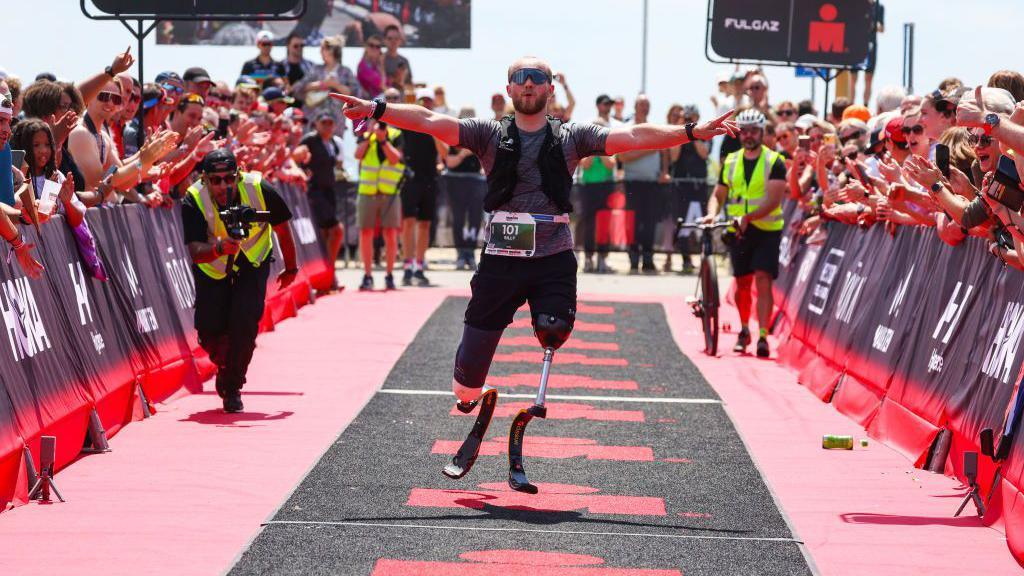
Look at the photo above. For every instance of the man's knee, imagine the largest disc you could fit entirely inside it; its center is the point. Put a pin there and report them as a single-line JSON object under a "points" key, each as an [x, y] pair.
{"points": [[473, 361], [551, 330], [745, 281]]}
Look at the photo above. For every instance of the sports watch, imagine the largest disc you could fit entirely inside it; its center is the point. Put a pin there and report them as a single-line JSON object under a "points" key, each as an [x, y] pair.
{"points": [[991, 121]]}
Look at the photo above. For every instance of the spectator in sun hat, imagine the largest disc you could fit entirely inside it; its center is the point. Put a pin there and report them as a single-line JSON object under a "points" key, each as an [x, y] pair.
{"points": [[857, 111], [197, 81], [264, 66], [172, 84]]}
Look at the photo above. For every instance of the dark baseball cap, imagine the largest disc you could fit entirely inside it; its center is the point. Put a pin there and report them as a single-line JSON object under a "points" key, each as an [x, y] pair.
{"points": [[274, 93], [165, 76], [197, 74], [220, 160], [46, 76], [604, 99]]}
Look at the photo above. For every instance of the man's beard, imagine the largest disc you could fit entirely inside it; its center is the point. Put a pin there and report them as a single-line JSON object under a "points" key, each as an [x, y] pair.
{"points": [[540, 102], [751, 143]]}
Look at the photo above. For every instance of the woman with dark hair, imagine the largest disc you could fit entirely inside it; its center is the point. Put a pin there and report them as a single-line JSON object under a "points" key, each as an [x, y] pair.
{"points": [[332, 75], [34, 137]]}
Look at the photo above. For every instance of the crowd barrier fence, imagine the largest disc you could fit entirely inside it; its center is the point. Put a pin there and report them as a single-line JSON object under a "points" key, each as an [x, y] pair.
{"points": [[76, 349], [916, 340]]}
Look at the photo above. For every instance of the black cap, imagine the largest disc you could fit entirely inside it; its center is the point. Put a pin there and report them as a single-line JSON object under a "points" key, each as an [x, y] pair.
{"points": [[220, 160], [604, 99], [197, 74], [46, 76]]}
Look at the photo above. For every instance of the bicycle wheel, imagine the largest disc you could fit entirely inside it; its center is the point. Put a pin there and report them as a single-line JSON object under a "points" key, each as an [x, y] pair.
{"points": [[709, 293]]}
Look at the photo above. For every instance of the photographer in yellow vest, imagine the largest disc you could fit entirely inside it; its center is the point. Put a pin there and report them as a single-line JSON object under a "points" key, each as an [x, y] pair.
{"points": [[229, 219], [751, 187]]}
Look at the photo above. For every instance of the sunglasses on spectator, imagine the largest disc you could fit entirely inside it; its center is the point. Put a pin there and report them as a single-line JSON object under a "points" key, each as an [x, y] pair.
{"points": [[535, 75], [264, 43], [172, 88], [111, 97], [757, 86], [374, 45], [918, 129], [852, 135], [982, 140], [786, 112], [135, 97], [228, 179], [393, 98]]}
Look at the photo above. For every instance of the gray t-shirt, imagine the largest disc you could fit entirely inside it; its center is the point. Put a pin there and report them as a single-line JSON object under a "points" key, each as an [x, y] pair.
{"points": [[578, 141]]}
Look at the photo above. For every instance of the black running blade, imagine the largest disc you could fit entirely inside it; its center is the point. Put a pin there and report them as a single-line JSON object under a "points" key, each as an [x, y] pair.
{"points": [[464, 459], [517, 479]]}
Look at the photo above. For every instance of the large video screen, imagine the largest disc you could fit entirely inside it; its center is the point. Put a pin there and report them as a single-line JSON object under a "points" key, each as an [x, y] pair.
{"points": [[424, 24]]}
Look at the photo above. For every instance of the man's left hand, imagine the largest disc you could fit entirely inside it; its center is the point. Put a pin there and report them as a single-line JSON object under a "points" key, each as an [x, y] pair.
{"points": [[717, 127], [285, 278]]}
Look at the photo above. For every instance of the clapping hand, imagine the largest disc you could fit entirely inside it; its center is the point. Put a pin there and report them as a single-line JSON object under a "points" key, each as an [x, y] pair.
{"points": [[123, 61]]}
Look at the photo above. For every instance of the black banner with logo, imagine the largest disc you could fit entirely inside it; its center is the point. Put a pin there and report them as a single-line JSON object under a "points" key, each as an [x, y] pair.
{"points": [[795, 32]]}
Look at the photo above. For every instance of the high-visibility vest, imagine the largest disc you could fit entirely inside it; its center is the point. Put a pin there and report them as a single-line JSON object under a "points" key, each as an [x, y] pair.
{"points": [[376, 177], [746, 198], [257, 247]]}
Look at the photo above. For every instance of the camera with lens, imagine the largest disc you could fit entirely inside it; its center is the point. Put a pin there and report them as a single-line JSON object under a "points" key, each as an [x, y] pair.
{"points": [[238, 219]]}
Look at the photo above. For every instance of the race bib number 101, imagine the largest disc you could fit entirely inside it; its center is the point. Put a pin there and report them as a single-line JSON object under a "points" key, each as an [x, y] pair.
{"points": [[512, 234]]}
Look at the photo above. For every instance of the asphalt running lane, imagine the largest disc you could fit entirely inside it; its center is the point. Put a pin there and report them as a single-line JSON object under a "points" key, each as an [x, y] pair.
{"points": [[640, 470]]}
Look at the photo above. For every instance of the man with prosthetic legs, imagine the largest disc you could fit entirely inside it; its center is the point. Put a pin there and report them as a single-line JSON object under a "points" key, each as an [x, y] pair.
{"points": [[529, 159]]}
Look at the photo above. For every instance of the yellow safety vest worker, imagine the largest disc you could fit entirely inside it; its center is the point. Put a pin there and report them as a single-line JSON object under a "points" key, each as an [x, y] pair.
{"points": [[257, 246], [746, 198], [375, 177]]}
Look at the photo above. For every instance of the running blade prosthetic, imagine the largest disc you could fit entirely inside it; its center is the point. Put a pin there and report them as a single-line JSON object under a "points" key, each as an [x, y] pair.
{"points": [[464, 459], [517, 479]]}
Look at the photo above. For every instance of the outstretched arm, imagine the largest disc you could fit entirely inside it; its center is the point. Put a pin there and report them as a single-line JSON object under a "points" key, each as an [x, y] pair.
{"points": [[405, 117], [657, 136]]}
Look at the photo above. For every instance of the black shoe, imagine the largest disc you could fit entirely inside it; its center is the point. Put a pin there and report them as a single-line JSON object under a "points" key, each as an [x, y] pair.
{"points": [[742, 341], [407, 277], [233, 402], [367, 284], [389, 282], [421, 279], [762, 348]]}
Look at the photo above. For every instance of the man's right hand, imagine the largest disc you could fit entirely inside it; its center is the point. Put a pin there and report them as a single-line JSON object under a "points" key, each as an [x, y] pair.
{"points": [[355, 108], [706, 219], [228, 246]]}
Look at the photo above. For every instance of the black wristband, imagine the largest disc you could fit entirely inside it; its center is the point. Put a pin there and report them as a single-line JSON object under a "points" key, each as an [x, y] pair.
{"points": [[109, 71], [689, 131], [937, 186], [381, 105]]}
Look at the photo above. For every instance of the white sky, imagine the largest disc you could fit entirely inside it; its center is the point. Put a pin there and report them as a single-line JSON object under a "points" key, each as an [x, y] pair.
{"points": [[596, 43]]}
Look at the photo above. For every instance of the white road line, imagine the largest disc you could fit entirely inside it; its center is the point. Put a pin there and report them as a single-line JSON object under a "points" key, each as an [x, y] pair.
{"points": [[532, 530], [647, 400]]}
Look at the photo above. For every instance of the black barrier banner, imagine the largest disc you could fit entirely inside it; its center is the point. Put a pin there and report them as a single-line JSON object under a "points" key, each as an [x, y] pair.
{"points": [[806, 32], [308, 251]]}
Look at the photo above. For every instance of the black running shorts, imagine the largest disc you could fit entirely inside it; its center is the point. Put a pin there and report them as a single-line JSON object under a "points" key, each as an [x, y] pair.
{"points": [[503, 283]]}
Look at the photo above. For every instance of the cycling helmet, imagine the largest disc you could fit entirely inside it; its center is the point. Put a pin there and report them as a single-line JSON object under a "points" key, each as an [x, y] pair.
{"points": [[750, 118]]}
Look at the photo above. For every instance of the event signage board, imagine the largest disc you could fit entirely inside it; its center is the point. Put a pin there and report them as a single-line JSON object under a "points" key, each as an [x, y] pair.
{"points": [[187, 8], [818, 33]]}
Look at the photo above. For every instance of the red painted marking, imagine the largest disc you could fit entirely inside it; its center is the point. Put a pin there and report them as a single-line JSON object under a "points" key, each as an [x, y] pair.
{"points": [[565, 411], [680, 460], [578, 326], [552, 498], [511, 563], [552, 447], [694, 515], [562, 381], [582, 308], [562, 357], [667, 420], [572, 344]]}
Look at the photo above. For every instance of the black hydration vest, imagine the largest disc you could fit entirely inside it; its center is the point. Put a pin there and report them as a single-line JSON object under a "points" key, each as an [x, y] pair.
{"points": [[554, 174]]}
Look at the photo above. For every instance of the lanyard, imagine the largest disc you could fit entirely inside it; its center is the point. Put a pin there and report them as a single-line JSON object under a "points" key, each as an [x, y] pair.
{"points": [[99, 139]]}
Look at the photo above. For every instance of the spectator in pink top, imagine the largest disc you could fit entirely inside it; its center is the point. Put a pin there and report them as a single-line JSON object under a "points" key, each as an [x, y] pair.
{"points": [[371, 68]]}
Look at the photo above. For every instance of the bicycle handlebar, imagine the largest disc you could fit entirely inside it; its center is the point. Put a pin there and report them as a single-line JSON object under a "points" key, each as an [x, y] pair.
{"points": [[714, 226]]}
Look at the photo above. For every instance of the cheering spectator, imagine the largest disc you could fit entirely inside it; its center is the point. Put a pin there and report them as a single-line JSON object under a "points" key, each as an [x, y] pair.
{"points": [[392, 59], [618, 107], [371, 68], [757, 90], [197, 81], [21, 249], [597, 175], [295, 65], [555, 109], [173, 86], [641, 170], [889, 99], [839, 105], [1009, 80], [35, 138], [724, 100], [419, 195], [263, 66], [277, 101]]}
